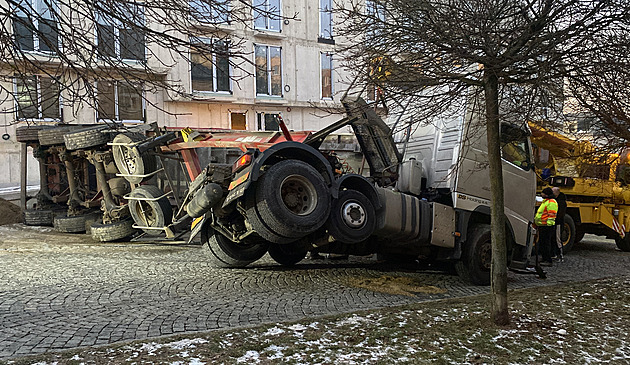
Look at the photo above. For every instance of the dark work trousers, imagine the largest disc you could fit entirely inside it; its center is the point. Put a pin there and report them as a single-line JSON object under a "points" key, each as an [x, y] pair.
{"points": [[546, 235]]}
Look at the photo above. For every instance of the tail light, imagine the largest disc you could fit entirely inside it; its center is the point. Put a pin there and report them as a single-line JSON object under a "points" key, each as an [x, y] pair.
{"points": [[242, 162]]}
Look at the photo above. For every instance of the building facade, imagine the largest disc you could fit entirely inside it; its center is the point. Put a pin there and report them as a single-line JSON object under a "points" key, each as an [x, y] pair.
{"points": [[285, 64]]}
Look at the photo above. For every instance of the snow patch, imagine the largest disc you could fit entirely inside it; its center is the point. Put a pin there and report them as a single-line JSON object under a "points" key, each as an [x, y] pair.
{"points": [[297, 327], [250, 356], [273, 331], [277, 352], [186, 343]]}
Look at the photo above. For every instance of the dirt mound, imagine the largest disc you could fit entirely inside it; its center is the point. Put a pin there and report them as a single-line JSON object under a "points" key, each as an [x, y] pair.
{"points": [[9, 213], [401, 285]]}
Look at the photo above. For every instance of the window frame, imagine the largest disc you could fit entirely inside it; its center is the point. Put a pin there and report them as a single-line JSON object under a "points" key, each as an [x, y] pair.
{"points": [[117, 25], [267, 16], [260, 118], [269, 71], [213, 18], [322, 34], [321, 76], [505, 131], [211, 41], [38, 91], [35, 15], [116, 118], [376, 10]]}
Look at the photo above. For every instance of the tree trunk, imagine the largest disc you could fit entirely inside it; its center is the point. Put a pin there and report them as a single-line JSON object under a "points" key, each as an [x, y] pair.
{"points": [[498, 271]]}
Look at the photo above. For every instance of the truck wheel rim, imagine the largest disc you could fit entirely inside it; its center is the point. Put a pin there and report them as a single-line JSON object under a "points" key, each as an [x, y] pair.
{"points": [[146, 213], [128, 157], [298, 194], [565, 234], [353, 214]]}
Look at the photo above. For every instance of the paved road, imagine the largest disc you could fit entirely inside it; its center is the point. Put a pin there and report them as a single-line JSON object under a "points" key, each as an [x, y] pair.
{"points": [[62, 291]]}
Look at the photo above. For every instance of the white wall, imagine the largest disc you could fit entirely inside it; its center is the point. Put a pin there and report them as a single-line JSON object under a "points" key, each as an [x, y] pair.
{"points": [[301, 76]]}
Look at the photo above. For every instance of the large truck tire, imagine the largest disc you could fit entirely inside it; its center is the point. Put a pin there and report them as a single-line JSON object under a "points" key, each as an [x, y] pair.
{"points": [[54, 136], [352, 217], [130, 161], [150, 213], [91, 219], [291, 199], [35, 217], [70, 224], [287, 255], [568, 234], [623, 243], [113, 231], [86, 138], [29, 133], [474, 266], [263, 229], [224, 253]]}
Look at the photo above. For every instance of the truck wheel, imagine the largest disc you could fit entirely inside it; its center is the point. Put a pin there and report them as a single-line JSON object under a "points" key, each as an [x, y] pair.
{"points": [[263, 230], [476, 260], [288, 254], [130, 161], [72, 224], [34, 217], [112, 232], [352, 217], [292, 199], [623, 243], [53, 136], [150, 213], [86, 138], [225, 253], [91, 219], [29, 133], [568, 234]]}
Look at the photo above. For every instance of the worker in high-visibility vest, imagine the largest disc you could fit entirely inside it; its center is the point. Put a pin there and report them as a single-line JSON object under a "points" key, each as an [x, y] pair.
{"points": [[545, 221]]}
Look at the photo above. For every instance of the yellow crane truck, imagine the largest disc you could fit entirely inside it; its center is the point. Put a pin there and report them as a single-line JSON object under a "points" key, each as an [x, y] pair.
{"points": [[595, 184]]}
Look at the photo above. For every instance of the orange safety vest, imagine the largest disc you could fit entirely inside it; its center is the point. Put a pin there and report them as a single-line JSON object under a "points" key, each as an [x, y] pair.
{"points": [[546, 214]]}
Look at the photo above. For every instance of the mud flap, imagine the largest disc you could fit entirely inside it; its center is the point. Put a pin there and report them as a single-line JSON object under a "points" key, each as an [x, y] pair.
{"points": [[196, 226]]}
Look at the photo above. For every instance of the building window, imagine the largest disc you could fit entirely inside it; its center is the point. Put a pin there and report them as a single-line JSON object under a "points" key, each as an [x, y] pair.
{"points": [[37, 98], [35, 26], [268, 70], [267, 121], [327, 86], [325, 19], [210, 66], [267, 15], [116, 39], [210, 11], [376, 16], [119, 101]]}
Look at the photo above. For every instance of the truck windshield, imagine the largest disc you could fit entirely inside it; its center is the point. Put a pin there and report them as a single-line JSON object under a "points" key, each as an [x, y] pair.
{"points": [[515, 146]]}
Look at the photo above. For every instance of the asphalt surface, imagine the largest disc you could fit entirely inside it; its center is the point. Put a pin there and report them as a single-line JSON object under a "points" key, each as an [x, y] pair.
{"points": [[60, 291]]}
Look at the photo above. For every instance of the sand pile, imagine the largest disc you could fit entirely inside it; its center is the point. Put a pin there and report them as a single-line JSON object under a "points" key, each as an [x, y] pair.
{"points": [[9, 213]]}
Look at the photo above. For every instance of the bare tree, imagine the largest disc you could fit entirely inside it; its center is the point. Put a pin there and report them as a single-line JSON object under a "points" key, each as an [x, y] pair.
{"points": [[515, 54], [91, 50]]}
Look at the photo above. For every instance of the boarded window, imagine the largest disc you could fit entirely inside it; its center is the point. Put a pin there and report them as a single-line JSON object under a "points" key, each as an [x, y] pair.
{"points": [[327, 90]]}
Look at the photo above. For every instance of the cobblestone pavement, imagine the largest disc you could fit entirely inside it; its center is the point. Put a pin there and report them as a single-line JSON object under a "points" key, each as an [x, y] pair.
{"points": [[61, 291]]}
